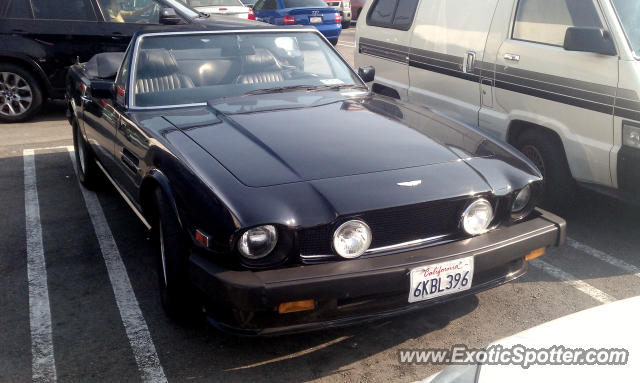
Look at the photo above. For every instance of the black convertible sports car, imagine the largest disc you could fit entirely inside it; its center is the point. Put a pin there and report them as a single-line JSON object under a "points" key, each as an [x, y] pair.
{"points": [[285, 195]]}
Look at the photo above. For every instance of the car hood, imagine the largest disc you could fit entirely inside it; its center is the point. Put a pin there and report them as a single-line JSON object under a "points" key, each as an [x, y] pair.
{"points": [[278, 139]]}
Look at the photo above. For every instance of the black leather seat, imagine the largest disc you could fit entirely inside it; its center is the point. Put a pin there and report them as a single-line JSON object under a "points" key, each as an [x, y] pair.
{"points": [[260, 67], [158, 71]]}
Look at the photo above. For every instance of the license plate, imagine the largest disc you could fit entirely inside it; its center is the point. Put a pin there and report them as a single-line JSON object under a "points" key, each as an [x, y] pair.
{"points": [[432, 281], [315, 20]]}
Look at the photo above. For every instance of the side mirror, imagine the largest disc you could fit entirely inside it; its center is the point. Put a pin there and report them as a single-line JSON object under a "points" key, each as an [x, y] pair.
{"points": [[367, 73], [102, 89], [593, 40], [168, 16]]}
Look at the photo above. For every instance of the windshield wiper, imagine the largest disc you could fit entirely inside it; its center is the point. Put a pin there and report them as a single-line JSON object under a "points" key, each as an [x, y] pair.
{"points": [[279, 89], [335, 87], [309, 88]]}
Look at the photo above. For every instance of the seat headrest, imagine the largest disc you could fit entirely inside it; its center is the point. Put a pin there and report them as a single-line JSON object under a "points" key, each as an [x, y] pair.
{"points": [[104, 65], [156, 63], [261, 60]]}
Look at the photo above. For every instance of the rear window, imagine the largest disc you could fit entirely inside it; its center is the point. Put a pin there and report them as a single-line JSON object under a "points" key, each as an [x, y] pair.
{"points": [[79, 10], [18, 9], [303, 3], [396, 14]]}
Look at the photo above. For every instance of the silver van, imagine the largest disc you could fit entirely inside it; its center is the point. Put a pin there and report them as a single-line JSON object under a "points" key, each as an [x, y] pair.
{"points": [[558, 79]]}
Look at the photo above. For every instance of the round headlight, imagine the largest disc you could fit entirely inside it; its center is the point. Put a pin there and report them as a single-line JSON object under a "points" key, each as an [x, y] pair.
{"points": [[352, 239], [258, 242], [477, 217], [522, 200]]}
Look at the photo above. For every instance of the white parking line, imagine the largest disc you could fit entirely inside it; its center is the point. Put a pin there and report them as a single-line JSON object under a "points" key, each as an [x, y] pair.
{"points": [[347, 45], [134, 323], [601, 255], [570, 280], [43, 363]]}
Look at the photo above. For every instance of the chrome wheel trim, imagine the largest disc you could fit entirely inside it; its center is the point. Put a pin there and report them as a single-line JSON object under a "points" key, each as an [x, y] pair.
{"points": [[535, 156], [164, 263], [16, 96], [80, 150]]}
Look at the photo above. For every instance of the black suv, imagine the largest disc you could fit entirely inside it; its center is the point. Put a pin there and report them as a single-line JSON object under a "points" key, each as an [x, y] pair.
{"points": [[40, 39]]}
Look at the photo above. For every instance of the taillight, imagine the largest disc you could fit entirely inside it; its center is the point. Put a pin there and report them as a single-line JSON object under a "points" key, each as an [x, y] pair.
{"points": [[338, 18], [252, 16], [288, 20]]}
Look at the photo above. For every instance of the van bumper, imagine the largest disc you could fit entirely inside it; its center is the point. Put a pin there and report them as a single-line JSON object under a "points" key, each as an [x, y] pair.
{"points": [[348, 292]]}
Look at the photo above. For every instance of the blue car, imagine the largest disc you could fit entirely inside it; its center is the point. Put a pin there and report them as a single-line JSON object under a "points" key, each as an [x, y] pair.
{"points": [[302, 12]]}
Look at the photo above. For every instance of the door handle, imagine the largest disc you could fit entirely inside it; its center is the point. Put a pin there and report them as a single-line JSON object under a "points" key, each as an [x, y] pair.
{"points": [[511, 57], [470, 62]]}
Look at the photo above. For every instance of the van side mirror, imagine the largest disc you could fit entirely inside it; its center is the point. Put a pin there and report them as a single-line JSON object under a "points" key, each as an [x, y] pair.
{"points": [[593, 40], [367, 73], [168, 16]]}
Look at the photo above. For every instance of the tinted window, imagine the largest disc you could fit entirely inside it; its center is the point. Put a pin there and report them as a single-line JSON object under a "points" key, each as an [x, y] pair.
{"points": [[546, 21], [63, 10], [303, 3], [138, 12], [19, 9], [268, 5], [382, 12], [396, 14]]}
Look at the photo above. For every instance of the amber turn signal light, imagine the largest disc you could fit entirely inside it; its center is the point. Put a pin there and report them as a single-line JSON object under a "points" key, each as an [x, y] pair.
{"points": [[535, 254], [294, 307]]}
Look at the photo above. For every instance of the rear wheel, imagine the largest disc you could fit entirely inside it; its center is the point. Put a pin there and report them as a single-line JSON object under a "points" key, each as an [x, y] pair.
{"points": [[88, 172], [544, 150], [346, 24], [172, 252], [20, 94], [333, 42]]}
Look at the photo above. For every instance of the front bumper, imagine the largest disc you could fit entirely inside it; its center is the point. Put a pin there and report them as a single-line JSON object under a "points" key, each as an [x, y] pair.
{"points": [[347, 292]]}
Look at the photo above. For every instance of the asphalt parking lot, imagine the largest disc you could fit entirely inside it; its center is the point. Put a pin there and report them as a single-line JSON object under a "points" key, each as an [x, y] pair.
{"points": [[88, 256]]}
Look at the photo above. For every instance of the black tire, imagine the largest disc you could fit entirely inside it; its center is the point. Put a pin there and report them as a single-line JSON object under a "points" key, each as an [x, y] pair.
{"points": [[88, 172], [18, 86], [547, 153], [333, 42], [346, 24], [172, 251]]}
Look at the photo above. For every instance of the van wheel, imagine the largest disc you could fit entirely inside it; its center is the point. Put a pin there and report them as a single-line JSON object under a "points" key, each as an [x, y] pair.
{"points": [[88, 172], [548, 155], [172, 252], [20, 94]]}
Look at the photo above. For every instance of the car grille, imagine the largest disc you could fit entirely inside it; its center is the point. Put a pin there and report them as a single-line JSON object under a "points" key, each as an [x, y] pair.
{"points": [[390, 226]]}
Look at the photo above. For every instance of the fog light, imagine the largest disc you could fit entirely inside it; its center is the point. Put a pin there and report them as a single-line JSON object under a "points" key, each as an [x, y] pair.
{"points": [[477, 217], [296, 306], [352, 239]]}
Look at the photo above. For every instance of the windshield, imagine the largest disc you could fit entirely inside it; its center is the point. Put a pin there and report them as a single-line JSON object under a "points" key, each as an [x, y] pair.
{"points": [[303, 3], [629, 14], [191, 69], [214, 3]]}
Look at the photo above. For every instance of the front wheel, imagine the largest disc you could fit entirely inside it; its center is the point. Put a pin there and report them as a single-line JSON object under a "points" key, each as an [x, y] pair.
{"points": [[20, 94], [548, 155], [172, 252]]}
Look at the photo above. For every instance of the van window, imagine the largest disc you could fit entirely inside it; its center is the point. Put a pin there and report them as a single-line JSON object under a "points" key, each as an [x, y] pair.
{"points": [[397, 14], [546, 21], [19, 9], [79, 10]]}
